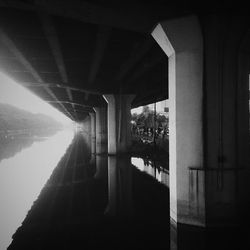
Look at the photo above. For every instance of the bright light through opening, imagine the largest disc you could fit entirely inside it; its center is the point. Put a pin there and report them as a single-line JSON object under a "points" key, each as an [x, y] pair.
{"points": [[160, 107], [14, 94]]}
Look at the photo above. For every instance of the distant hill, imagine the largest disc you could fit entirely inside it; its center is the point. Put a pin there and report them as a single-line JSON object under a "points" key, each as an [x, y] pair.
{"points": [[12, 118]]}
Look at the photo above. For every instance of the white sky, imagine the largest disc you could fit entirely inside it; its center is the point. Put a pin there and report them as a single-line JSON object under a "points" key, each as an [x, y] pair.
{"points": [[16, 95]]}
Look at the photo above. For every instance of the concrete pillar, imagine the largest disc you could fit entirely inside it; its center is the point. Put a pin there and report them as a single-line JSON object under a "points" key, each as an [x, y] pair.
{"points": [[181, 40], [226, 117], [93, 132], [112, 124], [101, 130], [86, 131], [219, 177], [119, 127]]}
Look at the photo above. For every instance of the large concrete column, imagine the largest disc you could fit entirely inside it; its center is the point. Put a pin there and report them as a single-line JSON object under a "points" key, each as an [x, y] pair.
{"points": [[227, 119], [221, 180], [93, 132], [181, 40], [112, 124], [86, 129], [119, 127], [101, 130]]}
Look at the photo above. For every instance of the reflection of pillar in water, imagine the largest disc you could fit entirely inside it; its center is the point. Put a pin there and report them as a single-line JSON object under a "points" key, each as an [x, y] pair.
{"points": [[125, 170], [159, 176], [173, 236], [93, 159], [112, 186], [101, 167], [92, 163]]}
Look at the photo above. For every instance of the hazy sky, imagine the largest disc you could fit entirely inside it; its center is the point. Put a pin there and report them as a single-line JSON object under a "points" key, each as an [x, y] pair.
{"points": [[16, 95]]}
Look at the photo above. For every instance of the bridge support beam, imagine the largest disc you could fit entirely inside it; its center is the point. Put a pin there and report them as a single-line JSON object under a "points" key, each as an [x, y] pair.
{"points": [[210, 188], [101, 130], [93, 132], [226, 90], [119, 128], [181, 40]]}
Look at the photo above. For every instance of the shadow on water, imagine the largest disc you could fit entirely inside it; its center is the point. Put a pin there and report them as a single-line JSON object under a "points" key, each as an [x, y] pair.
{"points": [[96, 202]]}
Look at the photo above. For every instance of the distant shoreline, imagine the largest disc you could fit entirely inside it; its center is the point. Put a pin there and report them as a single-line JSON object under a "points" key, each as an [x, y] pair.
{"points": [[31, 131]]}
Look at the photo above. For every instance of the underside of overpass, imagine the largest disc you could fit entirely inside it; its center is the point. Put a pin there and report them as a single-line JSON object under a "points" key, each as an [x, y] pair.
{"points": [[71, 52], [102, 57]]}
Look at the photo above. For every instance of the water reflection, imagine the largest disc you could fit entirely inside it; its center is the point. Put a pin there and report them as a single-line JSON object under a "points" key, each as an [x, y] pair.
{"points": [[12, 144], [23, 176], [120, 184], [152, 168], [94, 201]]}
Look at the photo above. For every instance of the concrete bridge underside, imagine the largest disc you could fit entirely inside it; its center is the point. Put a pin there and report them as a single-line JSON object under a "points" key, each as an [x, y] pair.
{"points": [[94, 61]]}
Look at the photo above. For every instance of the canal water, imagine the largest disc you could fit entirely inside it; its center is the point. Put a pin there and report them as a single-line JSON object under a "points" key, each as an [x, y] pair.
{"points": [[26, 162], [56, 194]]}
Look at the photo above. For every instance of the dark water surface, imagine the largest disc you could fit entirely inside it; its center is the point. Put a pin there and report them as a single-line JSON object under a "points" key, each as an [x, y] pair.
{"points": [[86, 201], [58, 195]]}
